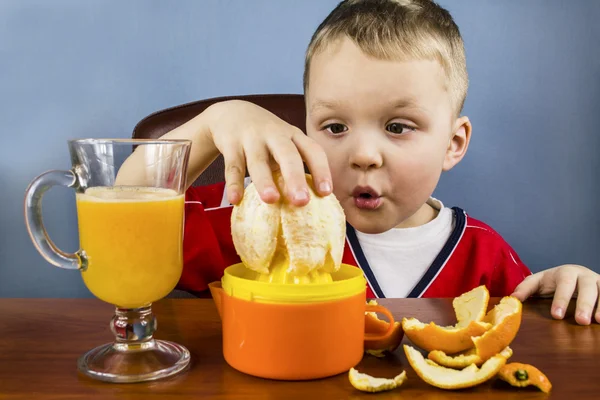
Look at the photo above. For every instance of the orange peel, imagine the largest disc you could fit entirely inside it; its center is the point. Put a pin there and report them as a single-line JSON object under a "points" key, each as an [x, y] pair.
{"points": [[522, 375], [368, 383], [463, 360], [448, 378], [470, 308], [374, 325], [506, 320]]}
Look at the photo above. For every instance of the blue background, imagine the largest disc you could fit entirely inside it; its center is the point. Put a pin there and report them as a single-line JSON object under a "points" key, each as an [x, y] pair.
{"points": [[71, 68]]}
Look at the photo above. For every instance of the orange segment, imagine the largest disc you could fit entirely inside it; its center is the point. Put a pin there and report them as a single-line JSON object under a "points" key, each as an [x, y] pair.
{"points": [[367, 383], [522, 375], [462, 360], [447, 378], [469, 308]]}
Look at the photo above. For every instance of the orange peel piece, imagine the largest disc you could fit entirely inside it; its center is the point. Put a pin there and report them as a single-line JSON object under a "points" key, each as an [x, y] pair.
{"points": [[462, 360], [374, 325], [506, 320], [469, 308], [471, 305], [368, 383], [523, 375], [376, 353], [448, 378]]}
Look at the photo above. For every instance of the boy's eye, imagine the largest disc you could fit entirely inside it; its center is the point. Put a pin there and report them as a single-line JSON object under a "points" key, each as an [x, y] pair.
{"points": [[398, 128], [336, 129]]}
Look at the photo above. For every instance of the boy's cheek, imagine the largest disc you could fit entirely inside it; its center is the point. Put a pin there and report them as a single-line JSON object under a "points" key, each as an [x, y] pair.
{"points": [[420, 180], [335, 158], [417, 173]]}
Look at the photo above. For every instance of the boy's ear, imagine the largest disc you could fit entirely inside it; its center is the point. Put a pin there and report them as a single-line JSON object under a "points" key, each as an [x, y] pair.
{"points": [[458, 144]]}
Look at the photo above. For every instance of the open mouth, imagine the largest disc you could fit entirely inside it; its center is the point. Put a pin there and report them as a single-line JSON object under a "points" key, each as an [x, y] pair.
{"points": [[365, 192], [366, 198]]}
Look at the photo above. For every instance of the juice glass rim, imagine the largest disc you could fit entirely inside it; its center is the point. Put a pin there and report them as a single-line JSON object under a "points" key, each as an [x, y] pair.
{"points": [[127, 141]]}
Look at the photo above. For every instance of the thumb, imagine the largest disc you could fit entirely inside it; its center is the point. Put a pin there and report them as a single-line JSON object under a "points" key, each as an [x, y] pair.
{"points": [[528, 287]]}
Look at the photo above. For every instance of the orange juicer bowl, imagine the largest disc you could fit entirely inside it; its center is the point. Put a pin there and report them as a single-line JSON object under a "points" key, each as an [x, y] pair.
{"points": [[294, 331]]}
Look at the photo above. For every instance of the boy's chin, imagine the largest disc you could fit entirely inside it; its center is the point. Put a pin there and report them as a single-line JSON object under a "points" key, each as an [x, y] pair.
{"points": [[369, 223]]}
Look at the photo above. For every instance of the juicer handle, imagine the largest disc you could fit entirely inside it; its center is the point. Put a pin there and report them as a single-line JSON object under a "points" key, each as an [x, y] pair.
{"points": [[35, 225], [388, 314]]}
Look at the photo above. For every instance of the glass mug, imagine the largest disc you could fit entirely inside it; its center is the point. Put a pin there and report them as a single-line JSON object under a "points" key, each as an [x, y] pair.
{"points": [[130, 211]]}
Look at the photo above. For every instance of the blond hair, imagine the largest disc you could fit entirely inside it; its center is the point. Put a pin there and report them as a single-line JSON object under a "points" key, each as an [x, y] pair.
{"points": [[398, 30]]}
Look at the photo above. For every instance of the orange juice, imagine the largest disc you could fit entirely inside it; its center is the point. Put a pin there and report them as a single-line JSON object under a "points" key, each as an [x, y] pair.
{"points": [[133, 239]]}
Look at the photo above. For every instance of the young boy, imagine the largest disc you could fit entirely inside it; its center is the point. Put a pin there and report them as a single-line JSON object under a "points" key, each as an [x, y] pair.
{"points": [[385, 82]]}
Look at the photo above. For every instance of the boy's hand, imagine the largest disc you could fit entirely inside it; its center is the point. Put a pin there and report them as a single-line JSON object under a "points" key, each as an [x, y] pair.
{"points": [[248, 135], [565, 282]]}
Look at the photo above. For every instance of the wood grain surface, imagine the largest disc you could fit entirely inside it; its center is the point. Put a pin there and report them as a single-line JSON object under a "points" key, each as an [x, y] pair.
{"points": [[41, 339]]}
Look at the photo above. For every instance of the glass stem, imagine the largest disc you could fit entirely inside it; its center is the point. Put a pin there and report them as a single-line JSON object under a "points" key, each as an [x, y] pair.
{"points": [[133, 328]]}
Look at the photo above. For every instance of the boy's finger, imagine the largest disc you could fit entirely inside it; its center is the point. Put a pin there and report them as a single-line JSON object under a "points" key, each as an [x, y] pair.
{"points": [[587, 296], [528, 287], [235, 171], [286, 154], [565, 287], [257, 156], [316, 159]]}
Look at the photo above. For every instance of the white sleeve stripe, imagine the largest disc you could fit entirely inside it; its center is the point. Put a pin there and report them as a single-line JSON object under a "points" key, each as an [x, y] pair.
{"points": [[478, 227], [217, 208], [513, 258]]}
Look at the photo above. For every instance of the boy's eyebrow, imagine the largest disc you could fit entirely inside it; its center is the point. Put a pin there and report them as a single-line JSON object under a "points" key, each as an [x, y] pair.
{"points": [[323, 104], [402, 103], [407, 103]]}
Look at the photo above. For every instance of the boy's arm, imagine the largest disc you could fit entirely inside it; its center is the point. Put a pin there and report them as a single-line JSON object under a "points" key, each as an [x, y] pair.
{"points": [[203, 151], [137, 168], [249, 137]]}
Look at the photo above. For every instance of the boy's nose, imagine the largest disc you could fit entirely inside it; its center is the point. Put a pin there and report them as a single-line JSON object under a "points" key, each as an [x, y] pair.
{"points": [[366, 156]]}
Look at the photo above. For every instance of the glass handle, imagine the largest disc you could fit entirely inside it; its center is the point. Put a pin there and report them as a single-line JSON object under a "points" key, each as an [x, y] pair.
{"points": [[35, 225]]}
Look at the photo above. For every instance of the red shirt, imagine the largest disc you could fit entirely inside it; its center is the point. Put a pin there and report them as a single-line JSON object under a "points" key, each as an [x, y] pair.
{"points": [[474, 254]]}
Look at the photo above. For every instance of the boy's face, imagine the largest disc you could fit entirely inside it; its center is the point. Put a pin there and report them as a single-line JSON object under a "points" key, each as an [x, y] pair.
{"points": [[388, 130]]}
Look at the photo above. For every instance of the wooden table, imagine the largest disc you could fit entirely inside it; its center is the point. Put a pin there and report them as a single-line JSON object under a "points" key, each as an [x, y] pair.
{"points": [[41, 339]]}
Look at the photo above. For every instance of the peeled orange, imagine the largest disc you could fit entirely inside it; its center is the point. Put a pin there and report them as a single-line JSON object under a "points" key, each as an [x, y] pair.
{"points": [[285, 243]]}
